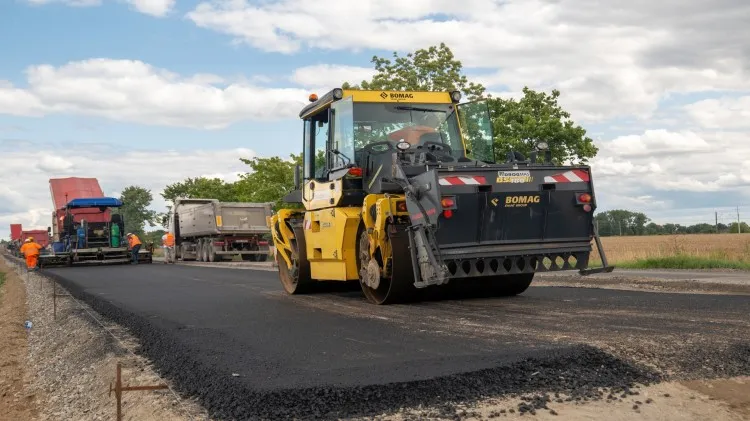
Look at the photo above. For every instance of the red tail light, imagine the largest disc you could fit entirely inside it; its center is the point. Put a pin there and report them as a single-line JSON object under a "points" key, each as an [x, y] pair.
{"points": [[448, 213], [401, 206], [448, 202], [584, 198], [355, 171]]}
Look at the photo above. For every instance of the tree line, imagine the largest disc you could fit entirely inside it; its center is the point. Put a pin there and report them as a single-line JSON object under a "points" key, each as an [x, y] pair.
{"points": [[517, 125], [624, 222]]}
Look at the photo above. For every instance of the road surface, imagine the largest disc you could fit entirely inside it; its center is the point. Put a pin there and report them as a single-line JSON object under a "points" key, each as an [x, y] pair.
{"points": [[245, 349]]}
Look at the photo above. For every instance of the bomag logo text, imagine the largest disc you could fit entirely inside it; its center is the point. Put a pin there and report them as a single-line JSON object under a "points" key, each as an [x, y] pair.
{"points": [[521, 201], [397, 95]]}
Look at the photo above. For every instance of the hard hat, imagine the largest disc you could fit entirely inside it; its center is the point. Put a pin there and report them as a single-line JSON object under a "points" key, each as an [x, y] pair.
{"points": [[130, 234], [29, 239]]}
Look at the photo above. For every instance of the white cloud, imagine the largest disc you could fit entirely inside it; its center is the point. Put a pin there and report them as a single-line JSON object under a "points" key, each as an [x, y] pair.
{"points": [[156, 8], [27, 199], [133, 91], [330, 75], [607, 61], [660, 160], [74, 3], [722, 113]]}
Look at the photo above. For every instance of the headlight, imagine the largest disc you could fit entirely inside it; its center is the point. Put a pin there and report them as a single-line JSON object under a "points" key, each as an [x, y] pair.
{"points": [[542, 146], [403, 145], [338, 93], [456, 96]]}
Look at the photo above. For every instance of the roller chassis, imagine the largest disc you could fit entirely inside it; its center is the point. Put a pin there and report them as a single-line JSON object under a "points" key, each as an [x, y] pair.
{"points": [[499, 233]]}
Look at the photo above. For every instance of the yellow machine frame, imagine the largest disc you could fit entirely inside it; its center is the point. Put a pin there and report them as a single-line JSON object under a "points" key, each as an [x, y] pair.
{"points": [[331, 231]]}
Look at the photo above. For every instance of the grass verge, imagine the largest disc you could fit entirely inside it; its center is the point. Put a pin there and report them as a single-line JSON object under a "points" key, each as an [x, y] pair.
{"points": [[2, 278], [684, 262]]}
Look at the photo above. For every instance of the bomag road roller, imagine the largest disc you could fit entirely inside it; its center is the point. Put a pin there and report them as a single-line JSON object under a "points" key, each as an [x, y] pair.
{"points": [[400, 191]]}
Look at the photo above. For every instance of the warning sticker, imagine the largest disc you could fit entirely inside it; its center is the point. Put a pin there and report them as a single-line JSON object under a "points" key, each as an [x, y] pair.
{"points": [[514, 177]]}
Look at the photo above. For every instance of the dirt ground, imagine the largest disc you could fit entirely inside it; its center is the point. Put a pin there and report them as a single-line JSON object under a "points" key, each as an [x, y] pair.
{"points": [[17, 402], [63, 368], [725, 400]]}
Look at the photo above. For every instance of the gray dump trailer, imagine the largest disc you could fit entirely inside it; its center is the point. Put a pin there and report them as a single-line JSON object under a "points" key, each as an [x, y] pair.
{"points": [[208, 230]]}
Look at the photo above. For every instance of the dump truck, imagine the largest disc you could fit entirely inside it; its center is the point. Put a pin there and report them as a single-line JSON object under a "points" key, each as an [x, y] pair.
{"points": [[85, 230], [402, 193], [208, 230], [16, 239], [41, 237]]}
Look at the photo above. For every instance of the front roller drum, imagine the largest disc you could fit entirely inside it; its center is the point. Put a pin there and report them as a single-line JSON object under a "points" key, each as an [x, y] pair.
{"points": [[399, 286], [297, 279]]}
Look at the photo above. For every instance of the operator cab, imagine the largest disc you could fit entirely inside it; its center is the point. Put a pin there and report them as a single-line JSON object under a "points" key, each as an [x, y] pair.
{"points": [[346, 130]]}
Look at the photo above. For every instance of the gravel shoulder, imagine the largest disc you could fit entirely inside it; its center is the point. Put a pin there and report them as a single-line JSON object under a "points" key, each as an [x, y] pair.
{"points": [[17, 400], [71, 361], [570, 353], [672, 281]]}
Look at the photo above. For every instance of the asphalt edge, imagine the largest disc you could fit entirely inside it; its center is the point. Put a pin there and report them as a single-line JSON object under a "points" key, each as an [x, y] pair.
{"points": [[225, 398]]}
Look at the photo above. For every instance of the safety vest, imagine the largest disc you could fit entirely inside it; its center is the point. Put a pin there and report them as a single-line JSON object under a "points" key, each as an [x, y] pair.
{"points": [[134, 241], [169, 240], [30, 249]]}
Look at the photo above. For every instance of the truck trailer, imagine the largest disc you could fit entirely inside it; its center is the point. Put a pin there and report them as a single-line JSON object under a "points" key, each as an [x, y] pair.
{"points": [[208, 230], [41, 237], [16, 239]]}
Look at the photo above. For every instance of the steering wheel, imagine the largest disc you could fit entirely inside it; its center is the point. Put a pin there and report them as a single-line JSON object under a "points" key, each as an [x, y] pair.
{"points": [[378, 148], [441, 147]]}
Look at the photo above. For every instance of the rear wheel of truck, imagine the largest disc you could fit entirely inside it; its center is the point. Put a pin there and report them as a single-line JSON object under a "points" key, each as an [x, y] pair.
{"points": [[204, 252], [397, 288], [297, 279]]}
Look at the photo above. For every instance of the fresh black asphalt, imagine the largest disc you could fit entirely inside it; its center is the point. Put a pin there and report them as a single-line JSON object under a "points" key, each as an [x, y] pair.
{"points": [[233, 339]]}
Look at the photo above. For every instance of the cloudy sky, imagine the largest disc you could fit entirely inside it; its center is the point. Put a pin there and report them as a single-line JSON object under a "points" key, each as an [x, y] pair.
{"points": [[150, 92]]}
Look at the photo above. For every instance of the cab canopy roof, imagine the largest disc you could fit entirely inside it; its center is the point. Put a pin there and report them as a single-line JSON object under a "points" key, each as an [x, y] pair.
{"points": [[95, 202], [416, 97]]}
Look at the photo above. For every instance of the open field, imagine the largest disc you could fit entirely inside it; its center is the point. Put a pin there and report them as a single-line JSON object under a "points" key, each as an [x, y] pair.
{"points": [[688, 251]]}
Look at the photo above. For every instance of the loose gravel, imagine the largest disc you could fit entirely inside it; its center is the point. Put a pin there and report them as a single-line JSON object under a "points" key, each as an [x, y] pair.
{"points": [[74, 358], [577, 375]]}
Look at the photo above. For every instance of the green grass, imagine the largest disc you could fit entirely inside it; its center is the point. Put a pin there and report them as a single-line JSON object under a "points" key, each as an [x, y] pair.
{"points": [[684, 262]]}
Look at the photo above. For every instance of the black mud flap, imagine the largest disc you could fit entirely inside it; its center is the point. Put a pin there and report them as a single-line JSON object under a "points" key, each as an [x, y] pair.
{"points": [[606, 268]]}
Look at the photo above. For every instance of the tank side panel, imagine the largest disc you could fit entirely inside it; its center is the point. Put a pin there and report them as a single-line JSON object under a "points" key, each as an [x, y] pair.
{"points": [[243, 218], [197, 220]]}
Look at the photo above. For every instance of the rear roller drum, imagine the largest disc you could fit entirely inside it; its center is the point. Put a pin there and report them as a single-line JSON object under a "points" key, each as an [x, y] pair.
{"points": [[297, 279], [399, 286], [507, 285]]}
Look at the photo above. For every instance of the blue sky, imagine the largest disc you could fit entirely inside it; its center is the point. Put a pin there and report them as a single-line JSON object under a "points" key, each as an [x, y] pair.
{"points": [[216, 80]]}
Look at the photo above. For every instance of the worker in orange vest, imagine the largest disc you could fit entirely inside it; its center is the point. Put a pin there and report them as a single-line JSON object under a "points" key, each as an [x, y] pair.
{"points": [[135, 245], [167, 243], [30, 250]]}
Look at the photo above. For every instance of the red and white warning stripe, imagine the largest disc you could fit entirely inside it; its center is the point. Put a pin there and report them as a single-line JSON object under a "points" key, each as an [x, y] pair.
{"points": [[573, 176], [463, 180]]}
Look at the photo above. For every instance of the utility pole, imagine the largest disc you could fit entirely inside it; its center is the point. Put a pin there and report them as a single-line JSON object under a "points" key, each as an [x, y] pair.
{"points": [[739, 228]]}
